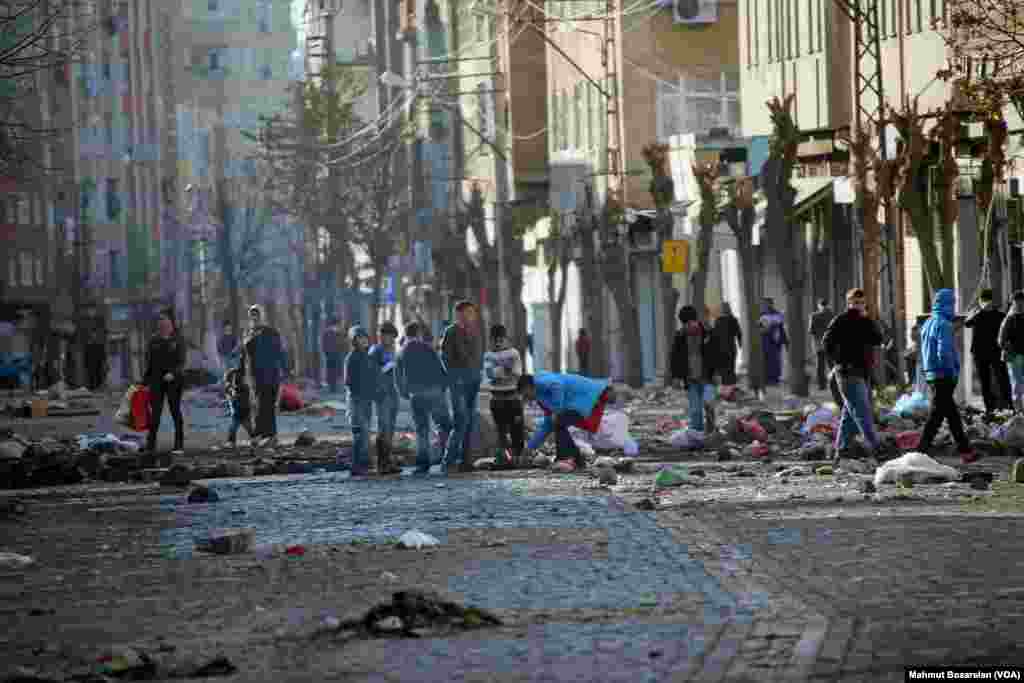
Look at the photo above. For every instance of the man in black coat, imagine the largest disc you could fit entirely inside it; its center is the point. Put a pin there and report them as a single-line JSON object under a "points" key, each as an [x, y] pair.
{"points": [[985, 322]]}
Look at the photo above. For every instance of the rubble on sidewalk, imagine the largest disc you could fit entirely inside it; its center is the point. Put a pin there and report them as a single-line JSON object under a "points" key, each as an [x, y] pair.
{"points": [[414, 614], [232, 541]]}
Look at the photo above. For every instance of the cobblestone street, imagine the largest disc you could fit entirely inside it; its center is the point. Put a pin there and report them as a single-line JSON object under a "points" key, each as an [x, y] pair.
{"points": [[589, 587]]}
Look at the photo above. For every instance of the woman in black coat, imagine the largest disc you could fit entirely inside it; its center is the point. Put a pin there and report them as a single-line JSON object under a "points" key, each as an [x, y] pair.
{"points": [[165, 374]]}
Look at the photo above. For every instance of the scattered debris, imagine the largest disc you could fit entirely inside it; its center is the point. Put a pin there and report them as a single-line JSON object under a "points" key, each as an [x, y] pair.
{"points": [[917, 467], [305, 439], [415, 614], [15, 561], [607, 476], [416, 540], [227, 541]]}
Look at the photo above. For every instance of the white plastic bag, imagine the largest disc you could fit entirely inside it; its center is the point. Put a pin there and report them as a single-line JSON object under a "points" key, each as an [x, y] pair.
{"points": [[416, 539], [614, 431], [687, 439], [918, 466]]}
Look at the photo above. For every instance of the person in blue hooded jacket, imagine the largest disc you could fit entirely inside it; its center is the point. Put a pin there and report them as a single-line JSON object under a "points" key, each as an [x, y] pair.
{"points": [[940, 362], [567, 401]]}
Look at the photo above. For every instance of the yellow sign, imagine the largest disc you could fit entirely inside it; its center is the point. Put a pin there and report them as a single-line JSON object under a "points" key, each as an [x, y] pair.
{"points": [[675, 256]]}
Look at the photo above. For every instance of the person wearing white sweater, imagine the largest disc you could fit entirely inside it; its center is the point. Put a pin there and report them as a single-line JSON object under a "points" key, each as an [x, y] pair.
{"points": [[502, 369]]}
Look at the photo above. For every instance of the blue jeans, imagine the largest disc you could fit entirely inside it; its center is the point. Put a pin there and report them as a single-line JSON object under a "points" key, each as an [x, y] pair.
{"points": [[695, 398], [387, 415], [464, 398], [857, 413], [429, 406], [359, 412]]}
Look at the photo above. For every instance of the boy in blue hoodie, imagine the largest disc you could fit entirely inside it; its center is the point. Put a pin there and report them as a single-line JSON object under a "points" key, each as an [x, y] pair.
{"points": [[362, 377], [941, 365], [567, 401], [420, 378], [383, 354]]}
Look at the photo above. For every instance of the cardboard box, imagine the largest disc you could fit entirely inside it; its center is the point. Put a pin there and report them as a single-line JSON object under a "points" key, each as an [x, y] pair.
{"points": [[40, 407]]}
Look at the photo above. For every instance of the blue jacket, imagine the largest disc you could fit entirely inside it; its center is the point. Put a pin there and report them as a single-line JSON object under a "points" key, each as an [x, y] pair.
{"points": [[382, 357], [362, 376], [559, 393], [419, 369], [939, 357], [264, 357]]}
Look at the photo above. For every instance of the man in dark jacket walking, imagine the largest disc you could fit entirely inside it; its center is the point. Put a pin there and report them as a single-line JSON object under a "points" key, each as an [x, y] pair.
{"points": [[689, 364], [463, 355], [850, 342], [165, 369], [820, 320], [420, 378], [726, 340], [265, 365], [985, 322]]}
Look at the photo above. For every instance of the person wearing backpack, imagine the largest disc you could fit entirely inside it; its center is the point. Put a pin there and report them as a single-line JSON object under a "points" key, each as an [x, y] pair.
{"points": [[1011, 342], [941, 364], [849, 342]]}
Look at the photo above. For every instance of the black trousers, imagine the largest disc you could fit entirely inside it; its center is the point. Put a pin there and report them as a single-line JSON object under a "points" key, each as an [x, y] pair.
{"points": [[728, 369], [508, 418], [265, 405], [943, 408], [822, 370], [158, 392], [995, 395]]}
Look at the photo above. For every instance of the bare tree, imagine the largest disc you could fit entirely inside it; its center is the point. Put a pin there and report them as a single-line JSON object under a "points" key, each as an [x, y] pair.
{"points": [[556, 259], [707, 177], [662, 190], [788, 239], [615, 266], [740, 216], [39, 41]]}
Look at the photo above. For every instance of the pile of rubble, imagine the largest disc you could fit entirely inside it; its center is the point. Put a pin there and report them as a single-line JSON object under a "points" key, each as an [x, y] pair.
{"points": [[57, 401]]}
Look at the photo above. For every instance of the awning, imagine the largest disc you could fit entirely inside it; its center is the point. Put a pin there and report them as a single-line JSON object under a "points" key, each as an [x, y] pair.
{"points": [[810, 191]]}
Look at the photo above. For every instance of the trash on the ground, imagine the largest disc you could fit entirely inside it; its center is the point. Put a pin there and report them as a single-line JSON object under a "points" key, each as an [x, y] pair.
{"points": [[291, 398], [918, 467], [564, 466], [855, 466], [624, 466], [671, 477], [908, 441], [824, 471], [411, 612], [978, 480], [202, 494], [645, 504], [128, 663], [305, 439], [483, 464], [416, 539], [608, 477], [230, 541], [295, 550], [218, 666], [911, 405], [631, 448], [755, 429], [15, 561], [388, 576], [821, 418], [542, 461], [604, 461], [1010, 433], [687, 439], [758, 450], [11, 450], [792, 472]]}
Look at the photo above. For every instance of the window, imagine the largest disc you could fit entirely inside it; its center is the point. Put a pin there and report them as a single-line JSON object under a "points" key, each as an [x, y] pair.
{"points": [[669, 110], [768, 15], [113, 200], [589, 109], [27, 270], [577, 116], [810, 26], [263, 16], [106, 68], [214, 59], [749, 52], [821, 24], [213, 5], [266, 72], [481, 28], [116, 270]]}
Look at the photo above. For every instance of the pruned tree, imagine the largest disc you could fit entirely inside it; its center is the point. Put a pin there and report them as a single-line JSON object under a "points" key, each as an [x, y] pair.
{"points": [[709, 216], [556, 262], [662, 189], [740, 216], [615, 267], [38, 42], [787, 237]]}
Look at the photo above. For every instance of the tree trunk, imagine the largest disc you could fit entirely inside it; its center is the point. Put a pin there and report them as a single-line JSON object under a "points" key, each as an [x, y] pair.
{"points": [[699, 279], [669, 293], [593, 306], [751, 265], [616, 267]]}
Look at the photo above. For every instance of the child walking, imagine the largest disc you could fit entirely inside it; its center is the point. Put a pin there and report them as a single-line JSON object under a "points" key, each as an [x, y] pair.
{"points": [[236, 391], [502, 368]]}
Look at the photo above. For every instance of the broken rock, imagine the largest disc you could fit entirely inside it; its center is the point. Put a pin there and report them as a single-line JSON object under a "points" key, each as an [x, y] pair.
{"points": [[227, 541]]}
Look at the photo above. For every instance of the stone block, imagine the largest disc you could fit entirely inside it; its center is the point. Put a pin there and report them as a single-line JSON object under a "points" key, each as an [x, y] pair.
{"points": [[231, 541]]}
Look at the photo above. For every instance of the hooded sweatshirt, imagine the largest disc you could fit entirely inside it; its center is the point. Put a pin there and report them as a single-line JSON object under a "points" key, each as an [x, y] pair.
{"points": [[939, 356]]}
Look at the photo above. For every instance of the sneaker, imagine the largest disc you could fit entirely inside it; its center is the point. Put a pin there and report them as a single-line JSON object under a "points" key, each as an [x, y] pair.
{"points": [[968, 456]]}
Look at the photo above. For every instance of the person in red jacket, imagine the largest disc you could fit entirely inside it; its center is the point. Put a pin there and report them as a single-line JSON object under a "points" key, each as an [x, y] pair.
{"points": [[583, 351]]}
